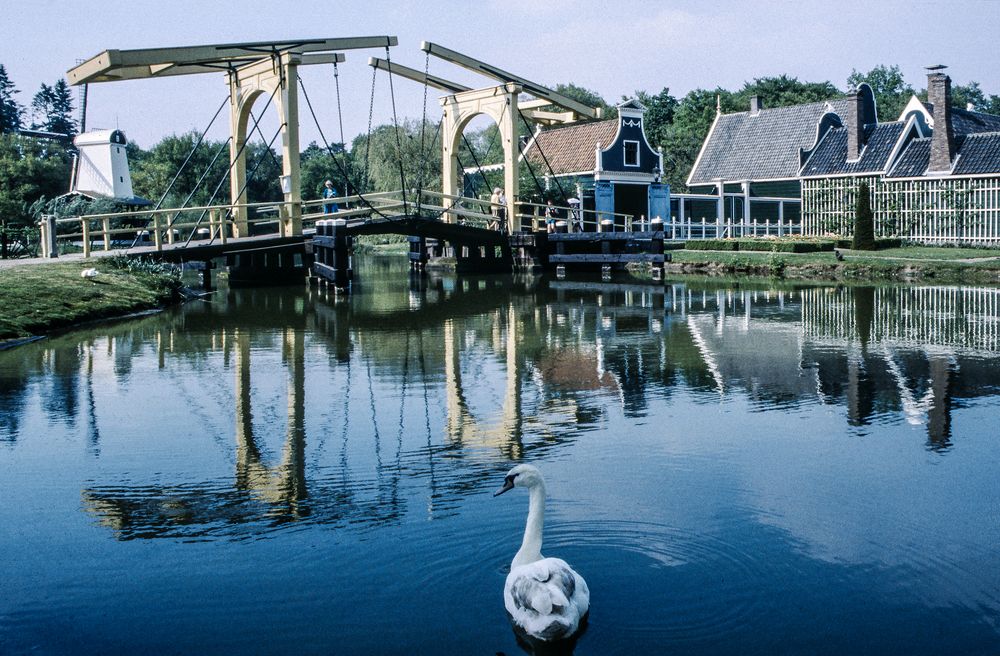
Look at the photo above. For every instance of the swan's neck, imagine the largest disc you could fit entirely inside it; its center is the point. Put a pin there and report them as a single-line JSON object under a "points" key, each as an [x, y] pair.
{"points": [[531, 545]]}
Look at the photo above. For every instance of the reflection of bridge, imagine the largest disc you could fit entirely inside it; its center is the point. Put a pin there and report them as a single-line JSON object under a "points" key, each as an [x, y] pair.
{"points": [[555, 357]]}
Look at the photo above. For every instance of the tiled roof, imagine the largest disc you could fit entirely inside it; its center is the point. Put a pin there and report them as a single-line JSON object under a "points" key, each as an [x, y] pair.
{"points": [[965, 122], [762, 146], [830, 157], [979, 153], [570, 149], [914, 160]]}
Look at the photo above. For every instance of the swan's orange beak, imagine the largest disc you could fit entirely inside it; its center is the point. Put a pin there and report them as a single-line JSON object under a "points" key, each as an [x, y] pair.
{"points": [[508, 484]]}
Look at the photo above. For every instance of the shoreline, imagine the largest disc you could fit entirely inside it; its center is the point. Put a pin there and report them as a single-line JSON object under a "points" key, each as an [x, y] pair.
{"points": [[42, 300]]}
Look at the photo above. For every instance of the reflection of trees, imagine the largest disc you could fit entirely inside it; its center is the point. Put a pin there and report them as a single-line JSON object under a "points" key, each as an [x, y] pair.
{"points": [[432, 358]]}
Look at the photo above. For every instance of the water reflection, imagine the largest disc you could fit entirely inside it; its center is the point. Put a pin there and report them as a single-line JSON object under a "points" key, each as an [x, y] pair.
{"points": [[475, 373]]}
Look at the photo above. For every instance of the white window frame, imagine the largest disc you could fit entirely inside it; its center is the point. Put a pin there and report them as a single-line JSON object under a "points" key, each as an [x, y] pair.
{"points": [[638, 157]]}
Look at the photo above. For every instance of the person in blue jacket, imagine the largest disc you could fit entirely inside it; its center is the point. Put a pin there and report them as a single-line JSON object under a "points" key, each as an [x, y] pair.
{"points": [[329, 192]]}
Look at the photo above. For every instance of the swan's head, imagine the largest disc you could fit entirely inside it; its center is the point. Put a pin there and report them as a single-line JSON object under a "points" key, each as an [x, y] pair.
{"points": [[520, 476]]}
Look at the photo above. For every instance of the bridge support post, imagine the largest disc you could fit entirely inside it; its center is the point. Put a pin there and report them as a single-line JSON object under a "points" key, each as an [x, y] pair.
{"points": [[341, 255], [279, 78]]}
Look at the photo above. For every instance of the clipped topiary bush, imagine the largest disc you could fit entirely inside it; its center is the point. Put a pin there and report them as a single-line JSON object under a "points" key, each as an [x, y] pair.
{"points": [[864, 220]]}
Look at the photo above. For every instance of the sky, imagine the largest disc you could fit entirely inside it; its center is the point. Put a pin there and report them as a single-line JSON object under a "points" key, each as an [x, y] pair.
{"points": [[612, 48]]}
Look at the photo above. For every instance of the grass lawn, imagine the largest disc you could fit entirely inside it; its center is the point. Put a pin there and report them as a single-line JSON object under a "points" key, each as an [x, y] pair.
{"points": [[38, 298]]}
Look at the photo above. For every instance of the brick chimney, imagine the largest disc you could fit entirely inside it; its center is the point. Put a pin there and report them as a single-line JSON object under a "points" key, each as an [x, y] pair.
{"points": [[943, 139], [855, 126], [755, 105]]}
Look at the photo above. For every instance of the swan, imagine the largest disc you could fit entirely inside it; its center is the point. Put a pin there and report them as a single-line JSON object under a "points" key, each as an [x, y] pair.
{"points": [[544, 596]]}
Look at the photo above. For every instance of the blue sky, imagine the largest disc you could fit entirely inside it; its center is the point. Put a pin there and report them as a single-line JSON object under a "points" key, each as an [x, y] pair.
{"points": [[613, 48]]}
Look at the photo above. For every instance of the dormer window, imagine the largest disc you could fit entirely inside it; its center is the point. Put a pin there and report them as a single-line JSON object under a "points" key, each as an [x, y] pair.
{"points": [[631, 153]]}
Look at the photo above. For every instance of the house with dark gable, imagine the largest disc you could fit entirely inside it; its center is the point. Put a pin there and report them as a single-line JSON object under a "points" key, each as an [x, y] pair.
{"points": [[933, 174], [608, 164]]}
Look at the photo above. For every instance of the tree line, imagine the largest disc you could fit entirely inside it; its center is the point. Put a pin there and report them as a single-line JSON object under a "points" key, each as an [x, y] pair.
{"points": [[34, 172]]}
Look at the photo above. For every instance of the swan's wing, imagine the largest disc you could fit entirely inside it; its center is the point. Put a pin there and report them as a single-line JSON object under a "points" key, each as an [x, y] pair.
{"points": [[544, 587]]}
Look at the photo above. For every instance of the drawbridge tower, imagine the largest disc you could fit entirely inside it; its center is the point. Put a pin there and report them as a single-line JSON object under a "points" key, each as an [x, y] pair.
{"points": [[502, 103]]}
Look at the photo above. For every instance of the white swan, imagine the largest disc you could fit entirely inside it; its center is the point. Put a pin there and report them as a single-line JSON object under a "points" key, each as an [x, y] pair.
{"points": [[544, 596]]}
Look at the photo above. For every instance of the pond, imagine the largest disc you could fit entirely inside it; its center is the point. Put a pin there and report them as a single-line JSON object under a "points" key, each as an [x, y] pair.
{"points": [[732, 468]]}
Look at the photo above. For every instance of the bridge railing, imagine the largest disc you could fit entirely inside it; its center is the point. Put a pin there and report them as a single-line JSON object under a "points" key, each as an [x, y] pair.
{"points": [[155, 228], [531, 216]]}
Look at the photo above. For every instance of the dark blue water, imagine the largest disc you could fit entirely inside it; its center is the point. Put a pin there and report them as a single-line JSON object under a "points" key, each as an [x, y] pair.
{"points": [[733, 470]]}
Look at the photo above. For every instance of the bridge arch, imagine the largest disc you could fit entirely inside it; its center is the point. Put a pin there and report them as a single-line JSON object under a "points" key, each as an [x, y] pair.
{"points": [[498, 103], [276, 78]]}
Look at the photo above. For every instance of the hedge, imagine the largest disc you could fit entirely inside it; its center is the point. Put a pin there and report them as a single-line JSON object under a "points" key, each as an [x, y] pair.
{"points": [[712, 245], [767, 245]]}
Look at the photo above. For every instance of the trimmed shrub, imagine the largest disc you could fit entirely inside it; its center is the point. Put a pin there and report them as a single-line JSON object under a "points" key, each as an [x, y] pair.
{"points": [[786, 245], [864, 220], [712, 245]]}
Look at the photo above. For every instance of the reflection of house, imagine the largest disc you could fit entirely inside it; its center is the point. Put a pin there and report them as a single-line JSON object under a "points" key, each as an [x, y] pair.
{"points": [[609, 164], [934, 173]]}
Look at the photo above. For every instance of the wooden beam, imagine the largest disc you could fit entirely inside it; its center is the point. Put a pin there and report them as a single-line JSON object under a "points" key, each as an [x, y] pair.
{"points": [[550, 117], [418, 76], [530, 87], [105, 65]]}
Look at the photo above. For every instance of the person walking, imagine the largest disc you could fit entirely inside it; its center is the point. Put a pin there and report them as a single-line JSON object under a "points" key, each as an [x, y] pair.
{"points": [[329, 192], [495, 209]]}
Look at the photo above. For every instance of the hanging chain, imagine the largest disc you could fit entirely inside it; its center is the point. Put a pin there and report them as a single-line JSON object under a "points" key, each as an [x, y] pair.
{"points": [[340, 119], [423, 124], [368, 137], [395, 124]]}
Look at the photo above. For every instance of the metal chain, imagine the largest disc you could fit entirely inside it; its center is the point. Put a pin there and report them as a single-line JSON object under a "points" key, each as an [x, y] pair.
{"points": [[368, 137]]}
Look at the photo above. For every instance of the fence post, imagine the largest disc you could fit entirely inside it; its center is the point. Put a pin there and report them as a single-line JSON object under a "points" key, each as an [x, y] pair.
{"points": [[157, 235], [85, 229], [781, 218], [106, 227], [171, 219], [221, 218]]}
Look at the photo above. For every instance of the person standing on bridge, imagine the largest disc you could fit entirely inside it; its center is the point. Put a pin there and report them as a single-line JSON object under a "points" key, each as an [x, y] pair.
{"points": [[551, 214], [495, 209], [329, 192]]}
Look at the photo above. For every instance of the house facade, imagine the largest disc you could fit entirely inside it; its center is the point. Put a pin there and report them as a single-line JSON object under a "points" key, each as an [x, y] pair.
{"points": [[933, 174], [608, 164]]}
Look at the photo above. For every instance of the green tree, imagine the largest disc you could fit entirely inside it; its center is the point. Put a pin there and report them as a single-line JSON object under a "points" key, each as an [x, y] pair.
{"points": [[376, 159], [891, 90], [963, 95], [682, 140], [783, 91], [29, 171], [660, 110], [52, 108], [864, 220], [11, 112]]}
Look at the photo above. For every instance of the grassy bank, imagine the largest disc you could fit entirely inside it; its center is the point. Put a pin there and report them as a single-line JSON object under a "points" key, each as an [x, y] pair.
{"points": [[36, 299], [912, 263]]}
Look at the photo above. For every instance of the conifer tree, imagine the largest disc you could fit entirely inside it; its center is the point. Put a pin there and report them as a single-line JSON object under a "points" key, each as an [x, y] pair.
{"points": [[864, 221], [11, 112], [51, 109]]}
